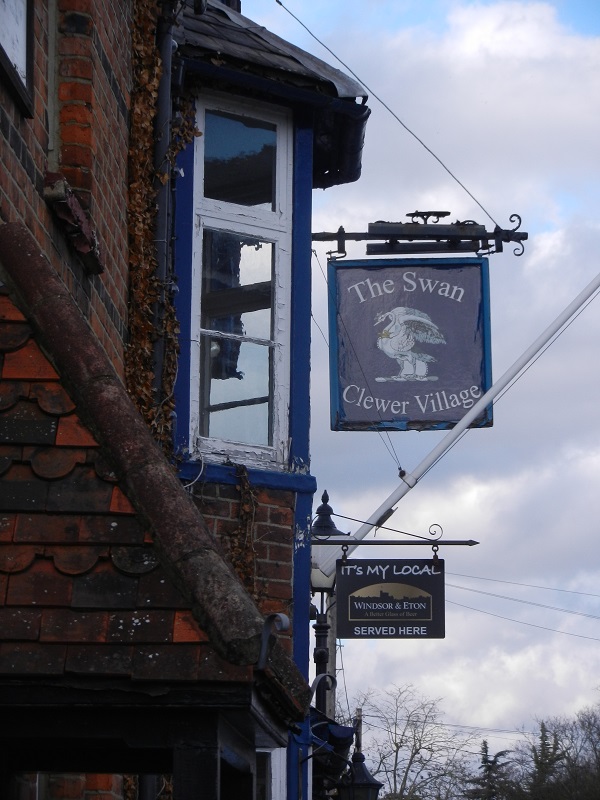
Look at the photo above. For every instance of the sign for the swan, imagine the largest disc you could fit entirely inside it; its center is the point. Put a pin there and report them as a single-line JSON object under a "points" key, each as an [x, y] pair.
{"points": [[398, 599], [409, 342]]}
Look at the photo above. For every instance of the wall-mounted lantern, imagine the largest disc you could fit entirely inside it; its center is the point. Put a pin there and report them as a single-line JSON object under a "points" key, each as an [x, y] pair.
{"points": [[358, 783]]}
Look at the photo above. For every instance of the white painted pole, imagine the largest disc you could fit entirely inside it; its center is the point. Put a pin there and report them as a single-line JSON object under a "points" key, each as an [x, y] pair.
{"points": [[325, 561]]}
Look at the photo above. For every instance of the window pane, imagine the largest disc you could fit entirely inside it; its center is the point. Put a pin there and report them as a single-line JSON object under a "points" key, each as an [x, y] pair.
{"points": [[253, 368], [231, 259], [244, 425], [236, 407], [236, 286], [235, 379], [239, 160]]}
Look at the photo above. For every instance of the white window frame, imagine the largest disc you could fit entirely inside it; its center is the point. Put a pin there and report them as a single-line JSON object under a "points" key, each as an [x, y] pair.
{"points": [[277, 768], [273, 226]]}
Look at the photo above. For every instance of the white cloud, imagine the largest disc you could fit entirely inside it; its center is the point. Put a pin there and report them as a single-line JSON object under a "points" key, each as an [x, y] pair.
{"points": [[509, 98]]}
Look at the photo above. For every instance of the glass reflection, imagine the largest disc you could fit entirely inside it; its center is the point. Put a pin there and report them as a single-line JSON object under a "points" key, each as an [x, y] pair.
{"points": [[236, 302], [239, 410], [239, 160]]}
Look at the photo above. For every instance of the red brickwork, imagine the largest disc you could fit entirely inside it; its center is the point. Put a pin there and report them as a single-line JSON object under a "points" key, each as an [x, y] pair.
{"points": [[262, 539], [58, 786], [83, 590], [77, 786], [80, 128]]}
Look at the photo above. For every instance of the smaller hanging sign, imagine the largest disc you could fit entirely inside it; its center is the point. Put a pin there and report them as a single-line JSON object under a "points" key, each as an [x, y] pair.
{"points": [[398, 599]]}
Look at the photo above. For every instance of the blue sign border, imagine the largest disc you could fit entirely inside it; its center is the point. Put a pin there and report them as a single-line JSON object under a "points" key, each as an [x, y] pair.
{"points": [[347, 336]]}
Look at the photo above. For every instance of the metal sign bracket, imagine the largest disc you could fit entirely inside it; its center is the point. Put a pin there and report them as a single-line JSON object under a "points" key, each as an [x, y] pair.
{"points": [[421, 236]]}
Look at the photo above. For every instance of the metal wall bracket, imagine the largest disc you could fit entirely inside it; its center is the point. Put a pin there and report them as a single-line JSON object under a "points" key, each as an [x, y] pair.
{"points": [[281, 623], [351, 541], [404, 238]]}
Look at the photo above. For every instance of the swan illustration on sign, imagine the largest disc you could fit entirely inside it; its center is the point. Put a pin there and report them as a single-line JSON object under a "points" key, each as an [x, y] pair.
{"points": [[405, 327]]}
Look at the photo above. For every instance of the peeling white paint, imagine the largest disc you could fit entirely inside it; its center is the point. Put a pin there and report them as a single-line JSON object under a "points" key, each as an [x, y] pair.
{"points": [[301, 538]]}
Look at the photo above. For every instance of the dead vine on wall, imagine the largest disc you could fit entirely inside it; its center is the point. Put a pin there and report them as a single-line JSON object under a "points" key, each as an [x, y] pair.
{"points": [[145, 289], [143, 284], [240, 542], [146, 292]]}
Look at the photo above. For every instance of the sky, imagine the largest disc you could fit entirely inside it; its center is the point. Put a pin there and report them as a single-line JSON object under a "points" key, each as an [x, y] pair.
{"points": [[507, 96]]}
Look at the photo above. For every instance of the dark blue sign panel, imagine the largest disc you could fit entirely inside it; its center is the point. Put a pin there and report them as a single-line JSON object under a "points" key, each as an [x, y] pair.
{"points": [[409, 342], [399, 599]]}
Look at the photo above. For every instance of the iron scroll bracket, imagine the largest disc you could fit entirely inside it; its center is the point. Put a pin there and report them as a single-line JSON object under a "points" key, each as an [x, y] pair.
{"points": [[419, 236], [281, 623]]}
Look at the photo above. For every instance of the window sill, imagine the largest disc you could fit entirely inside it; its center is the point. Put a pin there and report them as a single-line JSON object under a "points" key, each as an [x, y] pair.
{"points": [[196, 471]]}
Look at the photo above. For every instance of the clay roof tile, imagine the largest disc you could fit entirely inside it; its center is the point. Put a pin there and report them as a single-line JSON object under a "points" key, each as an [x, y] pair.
{"points": [[83, 507]]}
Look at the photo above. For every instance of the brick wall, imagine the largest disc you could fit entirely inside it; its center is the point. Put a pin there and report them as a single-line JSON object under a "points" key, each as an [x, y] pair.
{"points": [[256, 529], [81, 83], [57, 786], [80, 125]]}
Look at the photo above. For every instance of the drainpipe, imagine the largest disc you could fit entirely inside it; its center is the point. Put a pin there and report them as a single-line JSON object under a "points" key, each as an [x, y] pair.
{"points": [[162, 139]]}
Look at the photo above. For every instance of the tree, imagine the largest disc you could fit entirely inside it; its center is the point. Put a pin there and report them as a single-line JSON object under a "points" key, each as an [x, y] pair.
{"points": [[538, 772], [412, 752], [546, 757], [587, 725], [575, 773], [491, 782]]}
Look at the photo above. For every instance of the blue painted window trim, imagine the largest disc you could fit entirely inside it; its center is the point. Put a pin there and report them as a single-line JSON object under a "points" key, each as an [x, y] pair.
{"points": [[300, 381], [299, 413], [301, 296], [194, 471]]}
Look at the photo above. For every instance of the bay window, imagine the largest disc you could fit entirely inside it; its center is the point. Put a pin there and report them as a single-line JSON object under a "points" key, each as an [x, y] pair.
{"points": [[240, 303]]}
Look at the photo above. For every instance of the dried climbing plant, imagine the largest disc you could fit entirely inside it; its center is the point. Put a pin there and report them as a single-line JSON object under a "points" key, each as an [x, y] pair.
{"points": [[239, 544], [143, 284], [131, 787], [145, 290]]}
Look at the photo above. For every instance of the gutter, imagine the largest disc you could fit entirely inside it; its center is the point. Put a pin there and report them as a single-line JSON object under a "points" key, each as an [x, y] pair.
{"points": [[340, 122], [274, 88]]}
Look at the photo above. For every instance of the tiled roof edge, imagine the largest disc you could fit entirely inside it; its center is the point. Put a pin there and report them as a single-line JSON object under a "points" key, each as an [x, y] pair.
{"points": [[221, 605]]}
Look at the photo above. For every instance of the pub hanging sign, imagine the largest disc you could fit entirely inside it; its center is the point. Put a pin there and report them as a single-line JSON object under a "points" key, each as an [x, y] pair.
{"points": [[409, 342], [398, 599]]}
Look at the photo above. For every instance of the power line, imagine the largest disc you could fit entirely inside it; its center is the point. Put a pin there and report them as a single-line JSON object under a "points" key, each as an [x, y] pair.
{"points": [[525, 602], [343, 673], [318, 327], [521, 622], [391, 111], [475, 728], [526, 585]]}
